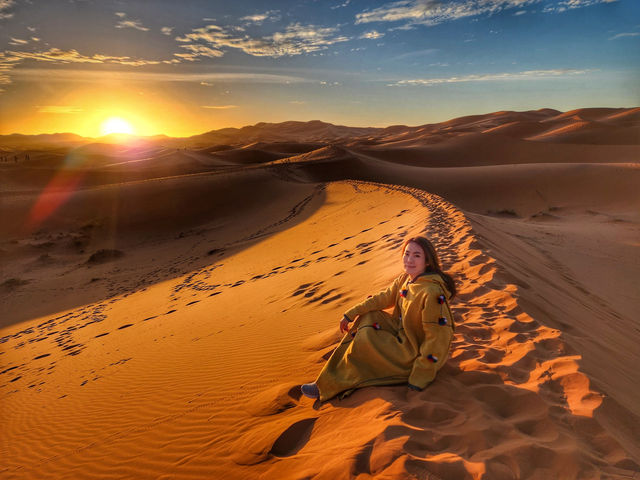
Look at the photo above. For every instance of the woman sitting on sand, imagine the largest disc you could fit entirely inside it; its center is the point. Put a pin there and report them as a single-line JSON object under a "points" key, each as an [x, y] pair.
{"points": [[408, 346]]}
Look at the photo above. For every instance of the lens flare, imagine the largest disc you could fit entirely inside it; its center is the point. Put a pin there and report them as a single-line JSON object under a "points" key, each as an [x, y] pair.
{"points": [[58, 191]]}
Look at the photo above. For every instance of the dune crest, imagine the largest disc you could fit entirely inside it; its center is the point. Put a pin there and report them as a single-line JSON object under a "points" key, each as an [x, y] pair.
{"points": [[161, 313]]}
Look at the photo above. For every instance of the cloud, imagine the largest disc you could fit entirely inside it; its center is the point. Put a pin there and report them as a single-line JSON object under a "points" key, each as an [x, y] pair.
{"points": [[622, 35], [298, 102], [295, 40], [434, 12], [260, 18], [127, 23], [572, 4], [372, 35], [73, 56], [80, 75], [526, 75], [167, 30], [206, 84], [220, 107], [58, 109], [344, 4], [199, 51], [17, 41], [4, 6]]}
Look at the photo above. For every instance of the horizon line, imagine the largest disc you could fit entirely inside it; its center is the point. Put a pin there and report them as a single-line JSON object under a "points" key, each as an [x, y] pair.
{"points": [[305, 121]]}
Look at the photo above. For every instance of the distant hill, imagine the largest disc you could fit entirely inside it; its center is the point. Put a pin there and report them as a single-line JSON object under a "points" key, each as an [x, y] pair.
{"points": [[44, 140], [291, 131], [604, 126]]}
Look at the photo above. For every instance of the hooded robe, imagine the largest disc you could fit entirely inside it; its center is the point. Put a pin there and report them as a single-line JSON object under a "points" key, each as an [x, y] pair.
{"points": [[409, 345]]}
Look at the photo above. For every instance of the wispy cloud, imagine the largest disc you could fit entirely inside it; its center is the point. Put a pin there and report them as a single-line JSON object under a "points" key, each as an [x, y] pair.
{"points": [[18, 41], [57, 55], [260, 18], [434, 12], [198, 50], [129, 23], [565, 5], [220, 107], [341, 5], [79, 75], [372, 35], [5, 68], [5, 5], [167, 30], [622, 35], [526, 75], [296, 39], [58, 109]]}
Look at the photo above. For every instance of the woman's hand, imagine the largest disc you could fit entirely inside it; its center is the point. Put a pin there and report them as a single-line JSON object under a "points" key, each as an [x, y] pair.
{"points": [[344, 324]]}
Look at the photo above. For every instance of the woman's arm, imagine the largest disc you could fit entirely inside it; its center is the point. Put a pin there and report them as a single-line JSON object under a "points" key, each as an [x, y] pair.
{"points": [[381, 300], [435, 347]]}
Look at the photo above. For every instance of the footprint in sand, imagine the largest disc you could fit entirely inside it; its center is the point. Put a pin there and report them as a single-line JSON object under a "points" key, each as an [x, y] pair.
{"points": [[293, 438]]}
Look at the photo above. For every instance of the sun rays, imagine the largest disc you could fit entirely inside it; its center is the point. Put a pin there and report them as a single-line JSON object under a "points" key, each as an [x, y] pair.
{"points": [[116, 125]]}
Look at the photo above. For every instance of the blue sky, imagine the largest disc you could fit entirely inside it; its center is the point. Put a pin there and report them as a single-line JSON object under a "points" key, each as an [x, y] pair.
{"points": [[186, 67]]}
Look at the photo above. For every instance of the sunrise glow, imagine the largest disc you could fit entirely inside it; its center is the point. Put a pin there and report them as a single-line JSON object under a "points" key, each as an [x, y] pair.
{"points": [[148, 70], [116, 125]]}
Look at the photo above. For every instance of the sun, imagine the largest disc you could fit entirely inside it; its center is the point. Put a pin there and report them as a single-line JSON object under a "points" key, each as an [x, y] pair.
{"points": [[116, 125]]}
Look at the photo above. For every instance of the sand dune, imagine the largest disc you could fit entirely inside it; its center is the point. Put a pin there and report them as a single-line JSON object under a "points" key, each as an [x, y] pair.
{"points": [[162, 305]]}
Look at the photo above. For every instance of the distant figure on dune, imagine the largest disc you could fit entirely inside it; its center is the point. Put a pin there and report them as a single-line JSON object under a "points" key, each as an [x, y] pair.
{"points": [[408, 346]]}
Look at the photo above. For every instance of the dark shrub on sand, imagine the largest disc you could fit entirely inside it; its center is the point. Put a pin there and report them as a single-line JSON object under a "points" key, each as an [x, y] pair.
{"points": [[13, 283], [104, 255]]}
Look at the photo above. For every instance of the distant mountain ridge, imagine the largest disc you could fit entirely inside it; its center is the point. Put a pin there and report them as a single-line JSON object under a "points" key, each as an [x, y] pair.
{"points": [[575, 126]]}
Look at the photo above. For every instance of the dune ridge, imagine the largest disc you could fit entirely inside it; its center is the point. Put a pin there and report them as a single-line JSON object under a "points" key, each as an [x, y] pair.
{"points": [[159, 320]]}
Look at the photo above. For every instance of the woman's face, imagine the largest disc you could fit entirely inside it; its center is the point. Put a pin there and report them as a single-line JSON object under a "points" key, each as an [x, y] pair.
{"points": [[414, 260]]}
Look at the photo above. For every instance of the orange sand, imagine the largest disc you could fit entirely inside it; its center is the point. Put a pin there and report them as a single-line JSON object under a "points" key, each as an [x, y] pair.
{"points": [[158, 323]]}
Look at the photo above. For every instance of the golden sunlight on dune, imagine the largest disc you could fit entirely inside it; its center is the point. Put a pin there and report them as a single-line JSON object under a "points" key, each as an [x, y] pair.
{"points": [[164, 298]]}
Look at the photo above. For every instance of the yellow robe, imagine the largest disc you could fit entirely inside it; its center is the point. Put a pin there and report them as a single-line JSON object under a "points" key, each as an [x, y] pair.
{"points": [[409, 345]]}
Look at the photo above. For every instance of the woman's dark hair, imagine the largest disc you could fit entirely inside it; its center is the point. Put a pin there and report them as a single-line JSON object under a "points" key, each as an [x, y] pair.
{"points": [[433, 263]]}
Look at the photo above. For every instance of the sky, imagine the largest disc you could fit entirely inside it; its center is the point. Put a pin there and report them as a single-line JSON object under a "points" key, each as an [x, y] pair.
{"points": [[183, 68]]}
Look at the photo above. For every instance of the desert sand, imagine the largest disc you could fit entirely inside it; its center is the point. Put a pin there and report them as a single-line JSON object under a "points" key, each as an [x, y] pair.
{"points": [[163, 299]]}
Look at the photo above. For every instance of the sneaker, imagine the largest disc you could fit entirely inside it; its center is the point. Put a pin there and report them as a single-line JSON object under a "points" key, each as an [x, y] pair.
{"points": [[310, 390]]}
